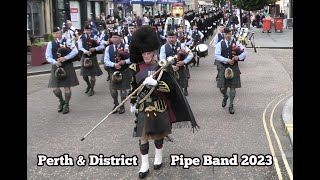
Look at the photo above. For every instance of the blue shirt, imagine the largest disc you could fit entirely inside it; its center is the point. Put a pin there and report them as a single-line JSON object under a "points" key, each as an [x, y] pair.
{"points": [[106, 58], [49, 56], [183, 47]]}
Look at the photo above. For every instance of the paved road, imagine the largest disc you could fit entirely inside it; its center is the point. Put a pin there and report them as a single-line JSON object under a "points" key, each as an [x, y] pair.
{"points": [[266, 79]]}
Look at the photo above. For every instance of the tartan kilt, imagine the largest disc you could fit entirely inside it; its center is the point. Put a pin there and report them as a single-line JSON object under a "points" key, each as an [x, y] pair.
{"points": [[187, 71], [182, 81], [216, 62], [235, 82], [126, 80], [94, 70], [70, 80], [163, 121]]}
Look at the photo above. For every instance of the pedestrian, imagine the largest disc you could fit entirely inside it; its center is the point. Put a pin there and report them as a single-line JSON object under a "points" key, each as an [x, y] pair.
{"points": [[64, 61], [160, 105], [171, 48], [228, 65], [88, 44], [117, 59], [71, 32], [131, 29], [197, 38]]}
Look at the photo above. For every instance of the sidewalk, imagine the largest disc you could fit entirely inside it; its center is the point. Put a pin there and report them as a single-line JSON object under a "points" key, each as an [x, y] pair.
{"points": [[279, 40], [46, 68], [287, 118]]}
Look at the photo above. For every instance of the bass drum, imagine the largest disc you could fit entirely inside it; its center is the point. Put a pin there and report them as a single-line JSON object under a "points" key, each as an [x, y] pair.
{"points": [[202, 50]]}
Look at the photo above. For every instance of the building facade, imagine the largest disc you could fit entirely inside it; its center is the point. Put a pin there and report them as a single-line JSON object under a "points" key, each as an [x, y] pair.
{"points": [[43, 15], [286, 7], [39, 18]]}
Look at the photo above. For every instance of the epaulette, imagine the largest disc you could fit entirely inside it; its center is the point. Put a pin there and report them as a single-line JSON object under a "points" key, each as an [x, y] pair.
{"points": [[133, 66]]}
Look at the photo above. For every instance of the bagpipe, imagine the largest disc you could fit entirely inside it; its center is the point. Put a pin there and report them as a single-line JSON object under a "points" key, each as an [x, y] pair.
{"points": [[63, 51], [94, 43], [122, 54], [236, 50], [181, 54]]}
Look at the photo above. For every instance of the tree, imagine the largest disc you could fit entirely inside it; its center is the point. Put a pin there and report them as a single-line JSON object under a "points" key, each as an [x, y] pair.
{"points": [[252, 5]]}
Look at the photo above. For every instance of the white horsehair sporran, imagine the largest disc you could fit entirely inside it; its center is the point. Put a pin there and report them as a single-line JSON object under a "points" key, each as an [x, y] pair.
{"points": [[228, 73]]}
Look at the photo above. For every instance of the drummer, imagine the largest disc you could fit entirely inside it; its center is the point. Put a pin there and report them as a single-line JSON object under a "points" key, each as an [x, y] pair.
{"points": [[183, 37], [197, 35]]}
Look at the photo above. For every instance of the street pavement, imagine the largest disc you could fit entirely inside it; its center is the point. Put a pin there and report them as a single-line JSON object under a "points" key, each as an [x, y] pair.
{"points": [[255, 128]]}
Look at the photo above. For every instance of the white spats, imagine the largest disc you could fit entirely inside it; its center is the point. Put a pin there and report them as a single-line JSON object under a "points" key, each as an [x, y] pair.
{"points": [[144, 163], [158, 157]]}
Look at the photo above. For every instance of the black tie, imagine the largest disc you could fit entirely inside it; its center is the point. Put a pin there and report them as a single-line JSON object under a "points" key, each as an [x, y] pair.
{"points": [[172, 24], [116, 47], [173, 48], [229, 44]]}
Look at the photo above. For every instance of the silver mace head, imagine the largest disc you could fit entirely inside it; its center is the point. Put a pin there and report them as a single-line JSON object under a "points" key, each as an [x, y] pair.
{"points": [[166, 62]]}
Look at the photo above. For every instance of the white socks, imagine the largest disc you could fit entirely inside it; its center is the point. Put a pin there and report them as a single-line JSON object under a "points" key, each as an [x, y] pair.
{"points": [[144, 163], [158, 157]]}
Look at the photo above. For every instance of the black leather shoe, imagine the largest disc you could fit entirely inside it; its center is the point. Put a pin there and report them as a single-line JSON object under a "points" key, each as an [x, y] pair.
{"points": [[142, 175], [185, 92], [224, 101], [87, 89], [91, 92], [65, 108], [60, 107], [231, 110], [108, 78], [157, 166], [114, 108], [122, 110]]}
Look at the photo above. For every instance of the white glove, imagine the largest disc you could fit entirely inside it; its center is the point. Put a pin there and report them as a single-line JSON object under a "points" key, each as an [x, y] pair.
{"points": [[133, 108], [150, 81]]}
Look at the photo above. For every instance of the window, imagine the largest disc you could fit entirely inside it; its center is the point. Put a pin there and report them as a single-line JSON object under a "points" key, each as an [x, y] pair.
{"points": [[29, 21], [36, 18], [97, 8], [89, 9], [33, 18], [111, 9]]}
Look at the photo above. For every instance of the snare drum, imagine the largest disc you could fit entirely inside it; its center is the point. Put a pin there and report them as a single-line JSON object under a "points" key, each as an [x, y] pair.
{"points": [[202, 50]]}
